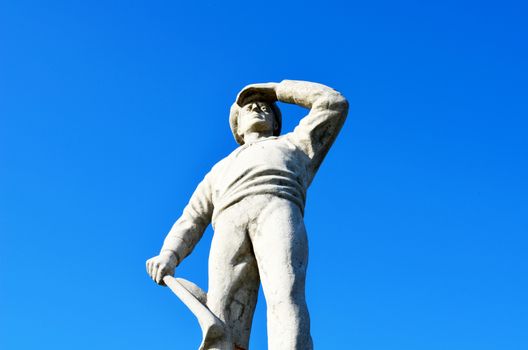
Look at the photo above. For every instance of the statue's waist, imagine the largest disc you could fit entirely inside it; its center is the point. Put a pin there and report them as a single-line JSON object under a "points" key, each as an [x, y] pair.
{"points": [[293, 194]]}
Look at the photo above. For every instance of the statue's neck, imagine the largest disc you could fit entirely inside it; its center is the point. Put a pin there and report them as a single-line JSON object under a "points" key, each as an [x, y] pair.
{"points": [[251, 137]]}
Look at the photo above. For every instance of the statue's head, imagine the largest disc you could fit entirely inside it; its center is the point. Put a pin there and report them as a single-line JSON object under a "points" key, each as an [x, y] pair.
{"points": [[254, 116]]}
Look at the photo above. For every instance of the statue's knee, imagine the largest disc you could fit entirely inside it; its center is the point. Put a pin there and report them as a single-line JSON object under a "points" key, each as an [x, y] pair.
{"points": [[286, 301]]}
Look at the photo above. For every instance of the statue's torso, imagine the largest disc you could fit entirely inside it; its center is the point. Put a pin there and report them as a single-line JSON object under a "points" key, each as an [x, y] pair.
{"points": [[270, 166]]}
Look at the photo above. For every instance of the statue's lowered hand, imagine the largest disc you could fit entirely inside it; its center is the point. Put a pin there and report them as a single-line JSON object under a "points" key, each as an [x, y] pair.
{"points": [[161, 266], [264, 92]]}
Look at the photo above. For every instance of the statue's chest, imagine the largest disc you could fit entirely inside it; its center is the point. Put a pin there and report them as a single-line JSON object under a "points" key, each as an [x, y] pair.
{"points": [[263, 160], [272, 153]]}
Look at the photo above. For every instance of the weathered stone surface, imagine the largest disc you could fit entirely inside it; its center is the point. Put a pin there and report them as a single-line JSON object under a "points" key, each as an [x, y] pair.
{"points": [[255, 200]]}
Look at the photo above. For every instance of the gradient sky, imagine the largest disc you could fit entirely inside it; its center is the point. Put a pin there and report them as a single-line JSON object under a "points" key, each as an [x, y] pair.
{"points": [[111, 112]]}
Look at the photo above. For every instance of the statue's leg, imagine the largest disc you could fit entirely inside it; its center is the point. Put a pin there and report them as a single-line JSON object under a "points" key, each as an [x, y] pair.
{"points": [[233, 275], [281, 248]]}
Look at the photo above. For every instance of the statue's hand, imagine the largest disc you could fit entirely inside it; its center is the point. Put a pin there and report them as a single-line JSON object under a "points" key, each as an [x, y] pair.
{"points": [[265, 92], [161, 266]]}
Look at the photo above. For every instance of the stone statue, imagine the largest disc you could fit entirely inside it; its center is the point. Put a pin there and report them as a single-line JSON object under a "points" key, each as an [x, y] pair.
{"points": [[255, 200]]}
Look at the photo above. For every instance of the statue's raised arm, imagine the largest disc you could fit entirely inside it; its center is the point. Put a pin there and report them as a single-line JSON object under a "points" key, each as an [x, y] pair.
{"points": [[317, 131]]}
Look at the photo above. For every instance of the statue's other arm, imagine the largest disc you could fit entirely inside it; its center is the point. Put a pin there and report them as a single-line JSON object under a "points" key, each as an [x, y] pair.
{"points": [[189, 228], [185, 233], [317, 131]]}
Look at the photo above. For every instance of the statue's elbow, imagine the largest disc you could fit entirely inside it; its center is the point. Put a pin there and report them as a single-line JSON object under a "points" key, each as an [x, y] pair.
{"points": [[338, 102]]}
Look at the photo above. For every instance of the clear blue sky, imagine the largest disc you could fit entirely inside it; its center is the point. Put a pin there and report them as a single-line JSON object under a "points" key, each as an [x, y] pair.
{"points": [[111, 113]]}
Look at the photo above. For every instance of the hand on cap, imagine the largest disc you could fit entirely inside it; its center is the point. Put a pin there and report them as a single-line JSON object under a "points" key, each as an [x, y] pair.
{"points": [[264, 92]]}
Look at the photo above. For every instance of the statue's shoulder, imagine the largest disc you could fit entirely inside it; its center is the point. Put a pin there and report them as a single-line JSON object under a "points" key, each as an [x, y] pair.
{"points": [[222, 162]]}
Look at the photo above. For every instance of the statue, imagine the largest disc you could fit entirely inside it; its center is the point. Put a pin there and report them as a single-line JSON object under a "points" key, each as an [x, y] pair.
{"points": [[255, 199]]}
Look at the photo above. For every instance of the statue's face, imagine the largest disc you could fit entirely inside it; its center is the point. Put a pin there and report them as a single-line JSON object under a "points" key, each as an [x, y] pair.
{"points": [[256, 117]]}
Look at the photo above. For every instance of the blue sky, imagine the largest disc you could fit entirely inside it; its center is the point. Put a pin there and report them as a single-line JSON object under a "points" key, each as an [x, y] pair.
{"points": [[111, 113]]}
